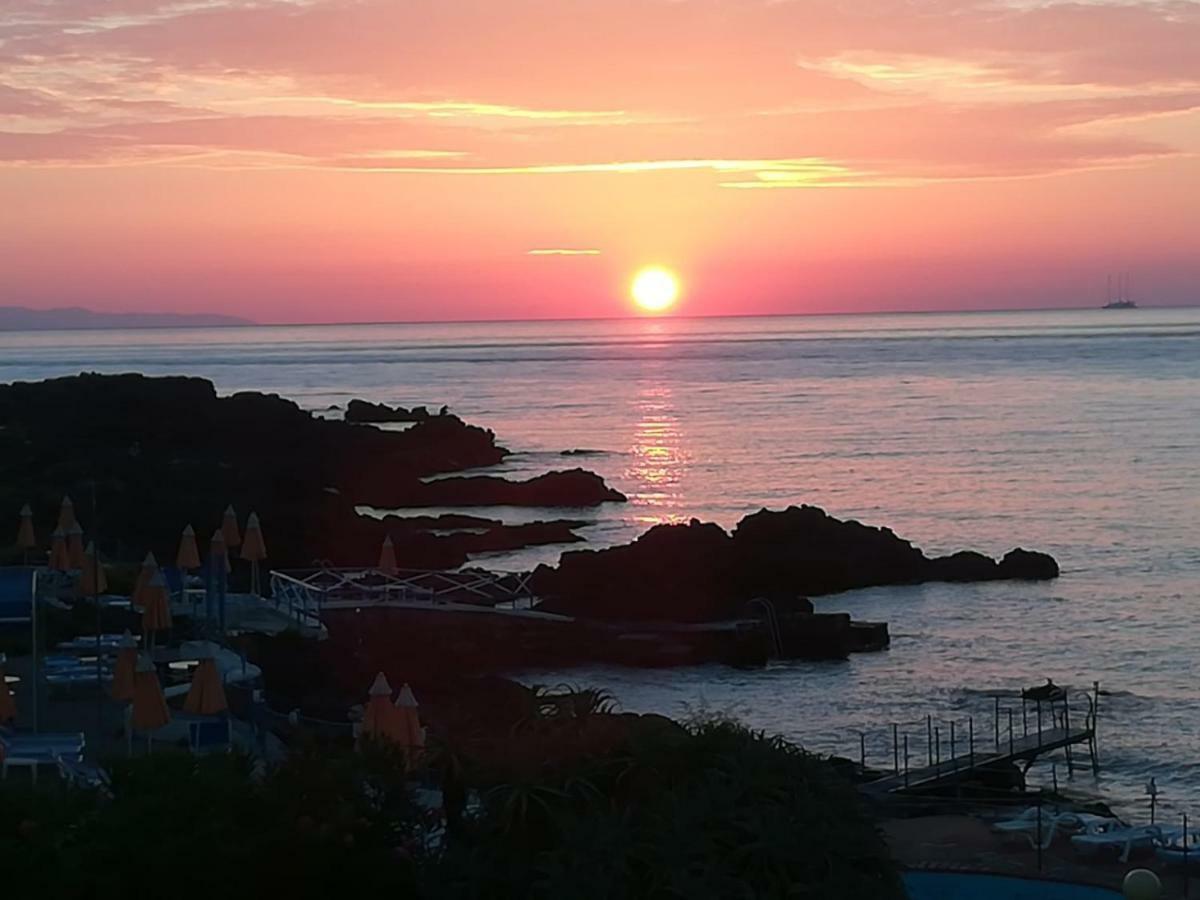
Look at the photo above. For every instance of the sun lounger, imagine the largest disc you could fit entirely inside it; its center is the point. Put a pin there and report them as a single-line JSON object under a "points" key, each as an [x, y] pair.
{"points": [[16, 595], [1171, 849], [65, 676], [80, 774], [209, 734], [86, 643], [1126, 840], [1053, 824], [33, 750]]}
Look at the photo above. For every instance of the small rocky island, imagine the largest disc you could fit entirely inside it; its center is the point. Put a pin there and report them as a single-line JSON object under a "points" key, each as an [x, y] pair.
{"points": [[698, 572]]}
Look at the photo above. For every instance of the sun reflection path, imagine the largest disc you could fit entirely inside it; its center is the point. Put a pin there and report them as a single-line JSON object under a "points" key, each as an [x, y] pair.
{"points": [[659, 462]]}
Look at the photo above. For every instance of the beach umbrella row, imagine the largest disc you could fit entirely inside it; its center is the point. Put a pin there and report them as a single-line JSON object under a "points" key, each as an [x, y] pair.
{"points": [[398, 723]]}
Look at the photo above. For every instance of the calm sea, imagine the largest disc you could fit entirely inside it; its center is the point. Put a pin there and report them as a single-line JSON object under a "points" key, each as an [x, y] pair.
{"points": [[1074, 432]]}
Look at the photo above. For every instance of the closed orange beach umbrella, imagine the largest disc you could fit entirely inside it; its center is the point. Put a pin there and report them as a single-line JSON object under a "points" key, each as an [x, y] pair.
{"points": [[387, 556], [59, 561], [148, 570], [92, 580], [66, 515], [229, 528], [26, 539], [156, 615], [8, 706], [206, 696], [188, 556], [122, 683], [75, 546], [380, 720], [254, 548], [150, 710], [409, 721]]}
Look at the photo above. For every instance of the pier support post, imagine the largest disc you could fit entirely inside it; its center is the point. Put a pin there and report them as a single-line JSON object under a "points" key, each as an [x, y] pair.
{"points": [[929, 737], [862, 751], [1024, 717], [997, 722], [971, 738], [906, 760], [895, 749], [1010, 732], [1067, 728], [1039, 831], [1187, 873], [937, 742]]}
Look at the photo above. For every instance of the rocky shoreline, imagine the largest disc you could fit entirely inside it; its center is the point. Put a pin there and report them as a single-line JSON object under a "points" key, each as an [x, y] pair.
{"points": [[157, 454], [161, 453]]}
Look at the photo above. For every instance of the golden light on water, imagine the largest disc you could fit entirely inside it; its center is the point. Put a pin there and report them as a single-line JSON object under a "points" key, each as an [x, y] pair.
{"points": [[655, 289]]}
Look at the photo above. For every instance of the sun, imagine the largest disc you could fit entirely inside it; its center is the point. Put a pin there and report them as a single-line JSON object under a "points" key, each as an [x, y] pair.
{"points": [[655, 289]]}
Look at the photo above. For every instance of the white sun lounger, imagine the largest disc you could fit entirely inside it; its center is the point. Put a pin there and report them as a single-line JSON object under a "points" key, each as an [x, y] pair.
{"points": [[1053, 823], [1124, 839]]}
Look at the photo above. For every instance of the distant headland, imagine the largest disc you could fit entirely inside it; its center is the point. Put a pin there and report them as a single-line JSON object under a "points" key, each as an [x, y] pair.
{"points": [[23, 318]]}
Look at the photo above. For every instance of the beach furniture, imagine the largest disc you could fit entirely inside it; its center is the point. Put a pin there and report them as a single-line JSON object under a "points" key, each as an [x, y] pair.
{"points": [[149, 711], [1123, 839], [34, 750], [122, 683], [206, 695], [1054, 823], [16, 596], [88, 643], [26, 538], [77, 773], [1170, 848], [210, 733], [387, 556]]}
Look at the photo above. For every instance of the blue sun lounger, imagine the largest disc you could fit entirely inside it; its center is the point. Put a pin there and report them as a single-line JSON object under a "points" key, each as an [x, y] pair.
{"points": [[34, 750], [16, 595]]}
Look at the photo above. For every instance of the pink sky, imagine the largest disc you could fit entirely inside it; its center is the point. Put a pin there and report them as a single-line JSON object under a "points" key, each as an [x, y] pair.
{"points": [[342, 160]]}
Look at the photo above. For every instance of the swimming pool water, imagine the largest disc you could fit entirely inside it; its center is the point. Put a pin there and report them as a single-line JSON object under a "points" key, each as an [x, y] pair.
{"points": [[973, 886]]}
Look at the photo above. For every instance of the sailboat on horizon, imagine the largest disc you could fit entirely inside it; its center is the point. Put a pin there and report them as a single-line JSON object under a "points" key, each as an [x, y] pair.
{"points": [[1122, 300]]}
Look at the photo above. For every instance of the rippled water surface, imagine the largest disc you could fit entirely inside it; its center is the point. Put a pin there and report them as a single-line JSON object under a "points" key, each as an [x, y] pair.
{"points": [[1075, 432]]}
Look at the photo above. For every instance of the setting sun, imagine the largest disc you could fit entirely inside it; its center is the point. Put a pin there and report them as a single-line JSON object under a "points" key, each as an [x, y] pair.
{"points": [[655, 289]]}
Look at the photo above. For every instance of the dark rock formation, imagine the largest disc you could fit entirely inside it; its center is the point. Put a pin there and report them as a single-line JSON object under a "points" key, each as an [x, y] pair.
{"points": [[681, 573], [1029, 565], [572, 488], [697, 572], [364, 411], [162, 453]]}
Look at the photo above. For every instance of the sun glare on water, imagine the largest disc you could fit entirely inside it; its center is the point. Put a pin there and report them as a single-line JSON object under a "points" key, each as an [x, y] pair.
{"points": [[655, 289]]}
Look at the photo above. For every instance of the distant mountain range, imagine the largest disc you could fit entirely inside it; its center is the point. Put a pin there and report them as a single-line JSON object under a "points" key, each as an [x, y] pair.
{"points": [[21, 318]]}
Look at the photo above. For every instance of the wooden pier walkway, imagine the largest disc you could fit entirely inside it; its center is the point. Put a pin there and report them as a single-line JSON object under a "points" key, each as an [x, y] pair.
{"points": [[947, 771]]}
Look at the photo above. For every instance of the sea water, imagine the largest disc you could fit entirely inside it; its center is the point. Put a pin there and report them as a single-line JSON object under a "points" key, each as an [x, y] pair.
{"points": [[1074, 432]]}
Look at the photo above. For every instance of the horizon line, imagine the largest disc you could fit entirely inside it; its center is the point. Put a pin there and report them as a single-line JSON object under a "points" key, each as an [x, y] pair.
{"points": [[250, 323]]}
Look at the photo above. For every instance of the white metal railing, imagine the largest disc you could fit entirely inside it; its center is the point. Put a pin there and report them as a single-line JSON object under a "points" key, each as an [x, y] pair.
{"points": [[304, 594]]}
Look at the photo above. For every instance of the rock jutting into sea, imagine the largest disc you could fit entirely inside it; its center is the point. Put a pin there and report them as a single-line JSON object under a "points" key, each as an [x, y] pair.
{"points": [[698, 572], [364, 411], [162, 453]]}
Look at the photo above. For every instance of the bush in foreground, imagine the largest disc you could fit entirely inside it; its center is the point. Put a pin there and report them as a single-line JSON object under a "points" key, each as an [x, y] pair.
{"points": [[609, 807]]}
